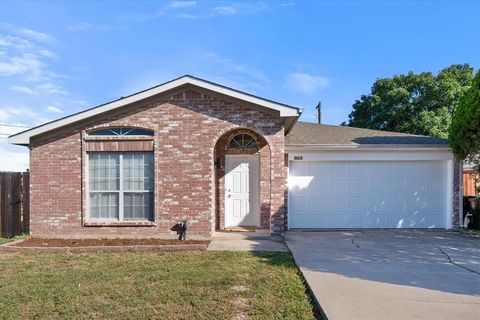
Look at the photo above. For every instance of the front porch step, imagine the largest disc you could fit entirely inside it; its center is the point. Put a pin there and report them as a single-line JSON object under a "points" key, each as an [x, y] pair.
{"points": [[245, 233], [240, 229]]}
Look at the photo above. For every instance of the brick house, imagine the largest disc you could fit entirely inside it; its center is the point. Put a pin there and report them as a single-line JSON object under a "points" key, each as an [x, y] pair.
{"points": [[221, 158]]}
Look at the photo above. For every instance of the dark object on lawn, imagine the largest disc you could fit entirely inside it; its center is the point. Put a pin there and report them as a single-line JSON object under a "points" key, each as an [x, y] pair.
{"points": [[471, 211], [183, 230], [475, 205]]}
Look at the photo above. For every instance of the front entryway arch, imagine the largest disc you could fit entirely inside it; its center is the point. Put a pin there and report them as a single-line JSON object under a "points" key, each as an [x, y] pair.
{"points": [[242, 180]]}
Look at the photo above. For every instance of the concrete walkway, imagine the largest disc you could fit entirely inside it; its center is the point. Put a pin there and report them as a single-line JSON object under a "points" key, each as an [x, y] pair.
{"points": [[391, 274], [246, 241]]}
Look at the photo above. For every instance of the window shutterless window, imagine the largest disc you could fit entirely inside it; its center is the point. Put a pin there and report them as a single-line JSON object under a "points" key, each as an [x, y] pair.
{"points": [[120, 186]]}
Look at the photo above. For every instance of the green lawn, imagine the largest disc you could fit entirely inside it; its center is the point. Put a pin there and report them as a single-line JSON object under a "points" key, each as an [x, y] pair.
{"points": [[20, 236], [179, 285]]}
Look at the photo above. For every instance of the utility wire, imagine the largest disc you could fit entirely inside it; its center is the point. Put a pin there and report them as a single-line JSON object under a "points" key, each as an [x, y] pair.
{"points": [[13, 125]]}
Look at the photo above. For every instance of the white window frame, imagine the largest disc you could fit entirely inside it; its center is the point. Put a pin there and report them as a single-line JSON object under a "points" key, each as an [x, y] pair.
{"points": [[120, 190]]}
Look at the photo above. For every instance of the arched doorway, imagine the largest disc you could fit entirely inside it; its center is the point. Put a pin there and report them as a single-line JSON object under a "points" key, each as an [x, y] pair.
{"points": [[242, 180]]}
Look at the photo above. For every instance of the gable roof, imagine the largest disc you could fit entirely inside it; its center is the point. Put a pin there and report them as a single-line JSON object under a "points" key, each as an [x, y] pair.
{"points": [[304, 133], [286, 111]]}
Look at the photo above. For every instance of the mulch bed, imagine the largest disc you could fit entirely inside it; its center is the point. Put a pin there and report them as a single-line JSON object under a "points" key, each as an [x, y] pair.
{"points": [[72, 243]]}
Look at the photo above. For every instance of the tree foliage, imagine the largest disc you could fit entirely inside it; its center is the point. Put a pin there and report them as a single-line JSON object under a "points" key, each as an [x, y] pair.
{"points": [[413, 103], [464, 132]]}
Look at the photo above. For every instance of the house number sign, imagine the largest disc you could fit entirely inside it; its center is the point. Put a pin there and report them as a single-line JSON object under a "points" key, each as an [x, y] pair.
{"points": [[297, 157]]}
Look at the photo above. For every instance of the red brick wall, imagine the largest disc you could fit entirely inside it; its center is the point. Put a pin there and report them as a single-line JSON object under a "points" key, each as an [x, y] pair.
{"points": [[187, 126]]}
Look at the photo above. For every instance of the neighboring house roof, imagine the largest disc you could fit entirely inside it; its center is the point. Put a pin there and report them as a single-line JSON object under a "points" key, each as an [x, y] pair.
{"points": [[286, 111], [304, 133]]}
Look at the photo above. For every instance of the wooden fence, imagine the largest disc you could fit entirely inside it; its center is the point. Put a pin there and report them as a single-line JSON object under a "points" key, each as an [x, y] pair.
{"points": [[471, 181], [14, 203]]}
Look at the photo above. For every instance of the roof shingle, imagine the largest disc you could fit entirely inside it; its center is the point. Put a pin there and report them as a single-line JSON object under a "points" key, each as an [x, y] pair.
{"points": [[304, 133]]}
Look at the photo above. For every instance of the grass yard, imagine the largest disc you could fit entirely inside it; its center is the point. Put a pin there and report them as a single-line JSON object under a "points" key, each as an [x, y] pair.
{"points": [[178, 285], [6, 240]]}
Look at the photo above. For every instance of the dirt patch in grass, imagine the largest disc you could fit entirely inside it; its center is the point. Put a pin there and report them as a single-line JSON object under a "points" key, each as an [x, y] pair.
{"points": [[67, 243]]}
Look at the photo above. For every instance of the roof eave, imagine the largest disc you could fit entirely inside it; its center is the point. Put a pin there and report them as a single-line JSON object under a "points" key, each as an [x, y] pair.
{"points": [[23, 138], [325, 147]]}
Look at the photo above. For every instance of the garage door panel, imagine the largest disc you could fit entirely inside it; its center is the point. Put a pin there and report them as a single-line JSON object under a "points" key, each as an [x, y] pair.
{"points": [[337, 168], [414, 186], [318, 169], [340, 185], [356, 169], [320, 204], [376, 204], [436, 185], [436, 168], [298, 169], [317, 220], [367, 194], [414, 169], [356, 185], [393, 168], [394, 185], [299, 204], [356, 219], [374, 220], [322, 185], [376, 185], [435, 221], [339, 221]]}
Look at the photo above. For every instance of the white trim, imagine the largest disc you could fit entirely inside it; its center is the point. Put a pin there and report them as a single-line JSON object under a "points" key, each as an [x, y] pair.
{"points": [[121, 193], [23, 138], [449, 185], [366, 155], [288, 195]]}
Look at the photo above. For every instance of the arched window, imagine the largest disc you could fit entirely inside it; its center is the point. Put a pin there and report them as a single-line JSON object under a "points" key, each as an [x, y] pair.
{"points": [[242, 141], [125, 131]]}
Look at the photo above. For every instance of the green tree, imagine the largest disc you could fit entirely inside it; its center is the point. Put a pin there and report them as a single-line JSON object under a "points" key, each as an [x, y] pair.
{"points": [[413, 103], [464, 131]]}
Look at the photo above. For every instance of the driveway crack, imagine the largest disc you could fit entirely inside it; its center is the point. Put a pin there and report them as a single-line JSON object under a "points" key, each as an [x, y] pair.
{"points": [[456, 264], [354, 241]]}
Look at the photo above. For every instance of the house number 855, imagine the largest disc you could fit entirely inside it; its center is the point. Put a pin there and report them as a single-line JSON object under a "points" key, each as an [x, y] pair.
{"points": [[297, 157]]}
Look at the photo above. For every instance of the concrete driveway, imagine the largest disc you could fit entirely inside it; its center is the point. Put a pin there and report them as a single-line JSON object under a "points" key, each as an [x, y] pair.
{"points": [[391, 274]]}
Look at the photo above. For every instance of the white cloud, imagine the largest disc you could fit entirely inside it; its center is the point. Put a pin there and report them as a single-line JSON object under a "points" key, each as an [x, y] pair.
{"points": [[189, 10], [25, 64], [224, 10], [15, 42], [22, 89], [54, 109], [189, 16], [84, 26], [305, 83], [26, 70], [230, 66], [47, 53], [79, 26], [37, 36], [9, 113], [51, 88], [181, 4]]}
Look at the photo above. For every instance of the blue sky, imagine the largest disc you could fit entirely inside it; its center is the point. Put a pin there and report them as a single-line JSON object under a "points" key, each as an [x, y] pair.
{"points": [[58, 58]]}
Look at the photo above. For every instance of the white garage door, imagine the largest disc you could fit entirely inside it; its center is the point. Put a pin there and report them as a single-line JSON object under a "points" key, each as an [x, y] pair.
{"points": [[367, 194]]}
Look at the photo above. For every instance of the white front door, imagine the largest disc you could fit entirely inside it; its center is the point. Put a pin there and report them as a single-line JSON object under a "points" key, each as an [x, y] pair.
{"points": [[242, 186]]}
